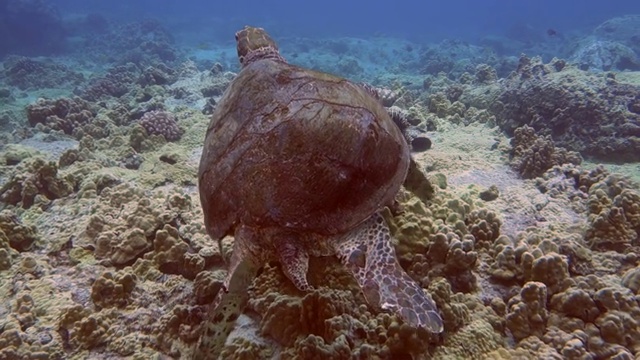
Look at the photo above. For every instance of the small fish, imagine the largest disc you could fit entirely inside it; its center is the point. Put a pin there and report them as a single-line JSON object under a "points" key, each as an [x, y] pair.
{"points": [[552, 32]]}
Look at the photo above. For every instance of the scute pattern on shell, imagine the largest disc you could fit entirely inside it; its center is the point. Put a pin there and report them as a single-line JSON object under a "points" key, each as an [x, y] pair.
{"points": [[281, 130]]}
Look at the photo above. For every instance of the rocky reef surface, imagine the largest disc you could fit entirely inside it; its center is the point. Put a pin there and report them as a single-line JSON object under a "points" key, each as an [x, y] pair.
{"points": [[528, 248]]}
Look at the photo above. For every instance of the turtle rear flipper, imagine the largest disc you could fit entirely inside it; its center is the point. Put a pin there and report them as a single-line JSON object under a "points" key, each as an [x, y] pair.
{"points": [[368, 253], [228, 304]]}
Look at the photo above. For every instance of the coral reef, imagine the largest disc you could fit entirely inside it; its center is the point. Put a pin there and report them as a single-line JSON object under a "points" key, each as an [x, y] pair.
{"points": [[161, 123], [103, 250], [582, 112], [36, 181], [622, 29], [25, 73], [115, 83], [142, 42], [454, 57], [532, 155], [62, 114], [598, 55]]}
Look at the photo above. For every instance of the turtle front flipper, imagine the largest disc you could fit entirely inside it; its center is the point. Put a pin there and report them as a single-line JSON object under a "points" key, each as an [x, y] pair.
{"points": [[228, 304], [368, 253]]}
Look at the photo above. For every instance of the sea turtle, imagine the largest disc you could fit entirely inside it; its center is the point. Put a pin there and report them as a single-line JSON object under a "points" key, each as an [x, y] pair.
{"points": [[299, 163]]}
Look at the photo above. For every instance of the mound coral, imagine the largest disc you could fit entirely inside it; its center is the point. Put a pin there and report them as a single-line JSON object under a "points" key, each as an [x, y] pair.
{"points": [[36, 181], [532, 155], [581, 111], [26, 73], [161, 123], [63, 114], [614, 214], [527, 313], [112, 290], [115, 83], [14, 234]]}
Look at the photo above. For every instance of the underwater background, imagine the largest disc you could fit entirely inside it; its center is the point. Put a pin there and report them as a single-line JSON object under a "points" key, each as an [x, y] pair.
{"points": [[523, 116]]}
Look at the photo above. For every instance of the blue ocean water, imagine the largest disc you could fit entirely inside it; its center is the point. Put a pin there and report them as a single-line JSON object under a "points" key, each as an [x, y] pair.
{"points": [[431, 21]]}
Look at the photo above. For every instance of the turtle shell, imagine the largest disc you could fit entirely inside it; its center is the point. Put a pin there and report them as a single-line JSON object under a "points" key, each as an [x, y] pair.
{"points": [[297, 149]]}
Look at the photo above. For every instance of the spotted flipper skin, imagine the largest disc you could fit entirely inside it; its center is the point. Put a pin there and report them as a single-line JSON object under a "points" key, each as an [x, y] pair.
{"points": [[219, 323], [295, 263], [229, 302], [368, 253]]}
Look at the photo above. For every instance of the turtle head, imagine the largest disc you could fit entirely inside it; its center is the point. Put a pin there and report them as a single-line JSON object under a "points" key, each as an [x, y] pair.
{"points": [[255, 44]]}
